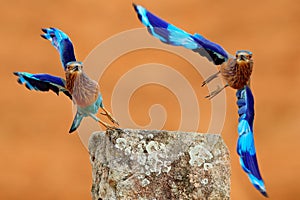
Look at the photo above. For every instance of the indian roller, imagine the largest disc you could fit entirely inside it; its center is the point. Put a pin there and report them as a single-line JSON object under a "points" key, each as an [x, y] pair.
{"points": [[83, 91], [235, 71]]}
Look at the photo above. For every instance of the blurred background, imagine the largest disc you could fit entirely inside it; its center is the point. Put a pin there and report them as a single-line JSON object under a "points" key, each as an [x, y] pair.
{"points": [[40, 160]]}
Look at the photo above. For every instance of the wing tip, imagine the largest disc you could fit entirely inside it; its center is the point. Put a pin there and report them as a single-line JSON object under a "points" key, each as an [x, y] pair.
{"points": [[44, 36], [135, 6], [45, 30], [265, 194], [20, 79]]}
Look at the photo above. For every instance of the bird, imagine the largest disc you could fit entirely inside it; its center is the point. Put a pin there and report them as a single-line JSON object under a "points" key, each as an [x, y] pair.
{"points": [[77, 86], [234, 70]]}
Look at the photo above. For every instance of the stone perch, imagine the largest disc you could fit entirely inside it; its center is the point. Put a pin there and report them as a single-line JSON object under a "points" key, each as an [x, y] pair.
{"points": [[149, 164]]}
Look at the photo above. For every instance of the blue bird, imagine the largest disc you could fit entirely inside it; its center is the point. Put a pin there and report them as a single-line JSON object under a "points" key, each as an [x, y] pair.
{"points": [[83, 91], [235, 70]]}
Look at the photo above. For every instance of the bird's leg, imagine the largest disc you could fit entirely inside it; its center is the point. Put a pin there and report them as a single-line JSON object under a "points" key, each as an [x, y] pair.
{"points": [[215, 92], [210, 78], [107, 126], [109, 116]]}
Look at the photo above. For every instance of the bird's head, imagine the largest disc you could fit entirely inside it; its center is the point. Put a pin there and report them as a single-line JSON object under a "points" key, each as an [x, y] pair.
{"points": [[243, 56], [74, 67]]}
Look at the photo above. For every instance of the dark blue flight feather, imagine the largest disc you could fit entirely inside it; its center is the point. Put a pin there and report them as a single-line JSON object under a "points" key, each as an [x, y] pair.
{"points": [[62, 43], [172, 35], [245, 146], [43, 82]]}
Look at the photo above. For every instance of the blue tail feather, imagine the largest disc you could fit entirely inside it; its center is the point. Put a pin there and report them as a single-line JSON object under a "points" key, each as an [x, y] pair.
{"points": [[245, 146], [76, 122]]}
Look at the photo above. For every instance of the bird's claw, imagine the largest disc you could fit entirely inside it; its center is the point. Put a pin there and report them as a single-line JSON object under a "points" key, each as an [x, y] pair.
{"points": [[211, 95], [204, 83]]}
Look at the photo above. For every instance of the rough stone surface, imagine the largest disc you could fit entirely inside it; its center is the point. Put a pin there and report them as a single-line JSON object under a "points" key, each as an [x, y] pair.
{"points": [[144, 164]]}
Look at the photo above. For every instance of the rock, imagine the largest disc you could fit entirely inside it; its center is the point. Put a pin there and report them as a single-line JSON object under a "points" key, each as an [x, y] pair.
{"points": [[150, 164]]}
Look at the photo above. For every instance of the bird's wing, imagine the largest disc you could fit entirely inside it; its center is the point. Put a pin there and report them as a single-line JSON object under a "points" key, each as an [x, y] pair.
{"points": [[43, 82], [172, 35], [62, 43], [245, 146]]}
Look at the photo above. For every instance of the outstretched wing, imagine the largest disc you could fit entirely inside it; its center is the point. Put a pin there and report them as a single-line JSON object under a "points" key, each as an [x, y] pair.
{"points": [[245, 146], [62, 43], [43, 82], [172, 35]]}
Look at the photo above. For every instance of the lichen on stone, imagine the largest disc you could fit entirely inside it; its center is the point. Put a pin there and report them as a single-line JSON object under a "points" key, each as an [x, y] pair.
{"points": [[121, 143], [145, 182], [207, 166], [142, 164], [199, 155]]}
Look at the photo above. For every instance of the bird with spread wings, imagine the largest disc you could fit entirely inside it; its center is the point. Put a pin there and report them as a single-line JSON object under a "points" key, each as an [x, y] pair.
{"points": [[83, 91], [235, 71]]}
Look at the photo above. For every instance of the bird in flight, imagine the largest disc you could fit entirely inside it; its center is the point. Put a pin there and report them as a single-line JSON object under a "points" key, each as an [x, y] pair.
{"points": [[83, 91], [235, 71]]}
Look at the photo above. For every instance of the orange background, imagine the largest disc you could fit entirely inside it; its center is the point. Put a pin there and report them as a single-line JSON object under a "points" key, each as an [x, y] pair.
{"points": [[40, 160]]}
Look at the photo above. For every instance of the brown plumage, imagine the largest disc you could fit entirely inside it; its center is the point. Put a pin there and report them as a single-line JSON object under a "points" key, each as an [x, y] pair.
{"points": [[84, 90], [235, 71]]}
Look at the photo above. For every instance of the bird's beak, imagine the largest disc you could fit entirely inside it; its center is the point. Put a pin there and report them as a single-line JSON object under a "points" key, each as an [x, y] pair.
{"points": [[243, 57], [76, 68]]}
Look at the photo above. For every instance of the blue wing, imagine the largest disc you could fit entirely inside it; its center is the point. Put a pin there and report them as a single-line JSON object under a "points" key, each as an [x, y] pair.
{"points": [[245, 146], [43, 82], [172, 35], [62, 43]]}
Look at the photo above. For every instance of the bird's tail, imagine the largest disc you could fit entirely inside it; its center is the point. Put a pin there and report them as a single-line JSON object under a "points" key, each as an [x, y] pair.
{"points": [[76, 122], [245, 146]]}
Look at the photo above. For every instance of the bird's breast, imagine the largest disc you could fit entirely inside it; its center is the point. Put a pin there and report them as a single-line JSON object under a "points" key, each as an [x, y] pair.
{"points": [[236, 74], [84, 90]]}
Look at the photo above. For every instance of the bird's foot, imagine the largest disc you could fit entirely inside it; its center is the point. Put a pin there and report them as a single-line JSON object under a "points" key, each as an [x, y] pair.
{"points": [[109, 116], [215, 92], [210, 78]]}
